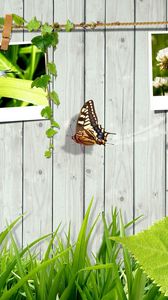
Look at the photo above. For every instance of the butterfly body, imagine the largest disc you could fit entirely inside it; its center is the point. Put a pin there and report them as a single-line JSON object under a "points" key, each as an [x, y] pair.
{"points": [[88, 131]]}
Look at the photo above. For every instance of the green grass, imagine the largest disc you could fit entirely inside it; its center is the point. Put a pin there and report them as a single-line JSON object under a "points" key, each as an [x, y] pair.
{"points": [[70, 271]]}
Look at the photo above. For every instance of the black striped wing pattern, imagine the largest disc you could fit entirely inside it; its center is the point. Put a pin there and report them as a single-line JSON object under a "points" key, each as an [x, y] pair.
{"points": [[88, 131]]}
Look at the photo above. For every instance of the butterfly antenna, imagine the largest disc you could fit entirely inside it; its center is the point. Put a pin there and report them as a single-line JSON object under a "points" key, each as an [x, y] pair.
{"points": [[109, 144], [114, 133]]}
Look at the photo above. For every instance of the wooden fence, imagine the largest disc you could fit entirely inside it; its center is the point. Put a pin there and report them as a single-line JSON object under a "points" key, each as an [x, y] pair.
{"points": [[110, 67]]}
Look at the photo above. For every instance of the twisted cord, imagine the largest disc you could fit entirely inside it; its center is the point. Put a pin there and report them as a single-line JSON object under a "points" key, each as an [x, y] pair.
{"points": [[94, 25]]}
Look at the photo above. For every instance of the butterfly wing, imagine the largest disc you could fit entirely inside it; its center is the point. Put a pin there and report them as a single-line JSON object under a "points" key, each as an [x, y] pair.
{"points": [[88, 131], [87, 117], [84, 137]]}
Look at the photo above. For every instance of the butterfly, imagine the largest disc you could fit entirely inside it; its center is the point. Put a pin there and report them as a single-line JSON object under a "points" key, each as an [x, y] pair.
{"points": [[88, 131]]}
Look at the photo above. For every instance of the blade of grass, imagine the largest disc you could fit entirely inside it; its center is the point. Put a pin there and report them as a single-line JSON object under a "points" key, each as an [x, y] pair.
{"points": [[151, 294], [34, 60], [51, 243], [113, 294], [4, 276], [34, 264], [138, 285], [4, 233], [110, 253], [54, 290], [6, 64], [78, 258], [21, 269], [21, 89], [79, 253], [97, 267], [132, 221], [42, 266], [127, 260], [81, 292]]}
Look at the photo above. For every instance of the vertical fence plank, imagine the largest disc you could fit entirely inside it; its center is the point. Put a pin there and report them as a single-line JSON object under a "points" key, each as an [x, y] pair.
{"points": [[166, 147], [149, 126], [68, 156], [37, 200], [119, 109], [94, 89], [11, 150]]}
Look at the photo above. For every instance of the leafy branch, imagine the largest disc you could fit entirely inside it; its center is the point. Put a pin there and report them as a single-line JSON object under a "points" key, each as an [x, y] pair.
{"points": [[47, 38]]}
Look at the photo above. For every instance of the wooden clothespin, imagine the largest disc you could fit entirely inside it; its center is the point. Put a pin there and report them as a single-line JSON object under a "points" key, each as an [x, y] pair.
{"points": [[6, 32]]}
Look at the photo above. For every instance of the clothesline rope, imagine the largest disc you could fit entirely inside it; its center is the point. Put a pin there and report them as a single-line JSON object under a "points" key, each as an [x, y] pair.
{"points": [[94, 25]]}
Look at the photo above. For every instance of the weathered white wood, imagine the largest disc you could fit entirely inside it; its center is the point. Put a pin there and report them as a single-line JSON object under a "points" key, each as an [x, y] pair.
{"points": [[149, 126], [37, 198], [68, 156], [166, 161], [94, 89], [119, 109], [134, 167], [11, 150], [11, 6]]}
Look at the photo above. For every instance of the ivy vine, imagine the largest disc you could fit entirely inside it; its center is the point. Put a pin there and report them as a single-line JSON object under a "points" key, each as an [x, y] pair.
{"points": [[48, 38]]}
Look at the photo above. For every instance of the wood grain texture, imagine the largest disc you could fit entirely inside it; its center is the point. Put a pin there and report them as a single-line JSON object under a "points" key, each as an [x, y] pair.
{"points": [[11, 6], [11, 151], [112, 69], [68, 157], [119, 109], [166, 155], [149, 127], [94, 89], [37, 176]]}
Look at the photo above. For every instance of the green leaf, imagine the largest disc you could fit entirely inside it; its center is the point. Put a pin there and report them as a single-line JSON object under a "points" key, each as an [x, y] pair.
{"points": [[38, 41], [21, 89], [18, 20], [51, 146], [46, 29], [47, 153], [69, 26], [53, 38], [55, 124], [150, 249], [52, 68], [46, 41], [34, 24], [47, 112], [1, 21], [41, 81], [50, 132], [54, 97]]}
